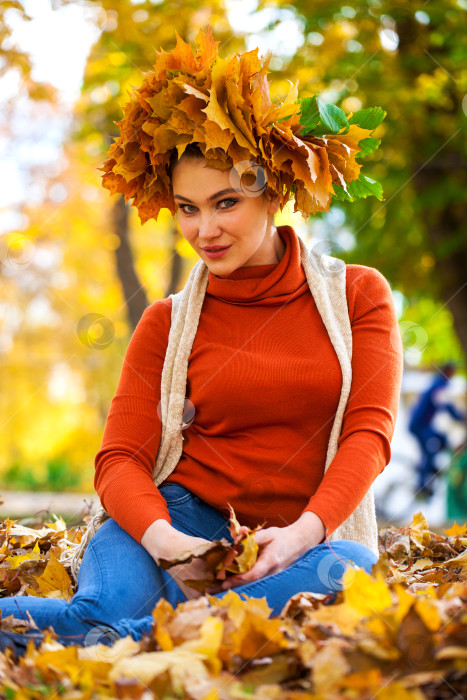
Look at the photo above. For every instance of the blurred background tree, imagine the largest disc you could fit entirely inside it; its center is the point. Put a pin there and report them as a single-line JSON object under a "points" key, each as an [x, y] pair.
{"points": [[410, 57], [78, 272]]}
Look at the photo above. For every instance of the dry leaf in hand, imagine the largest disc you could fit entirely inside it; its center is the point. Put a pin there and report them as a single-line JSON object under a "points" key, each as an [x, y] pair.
{"points": [[220, 556]]}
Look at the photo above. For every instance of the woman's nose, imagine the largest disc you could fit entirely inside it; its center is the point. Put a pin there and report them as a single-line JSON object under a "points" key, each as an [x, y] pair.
{"points": [[209, 227]]}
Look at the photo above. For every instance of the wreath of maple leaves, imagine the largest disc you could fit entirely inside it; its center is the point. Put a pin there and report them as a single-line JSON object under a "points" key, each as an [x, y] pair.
{"points": [[225, 107]]}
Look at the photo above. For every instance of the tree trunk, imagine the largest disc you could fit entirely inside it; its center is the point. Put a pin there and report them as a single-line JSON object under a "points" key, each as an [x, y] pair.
{"points": [[133, 291], [177, 266], [135, 295]]}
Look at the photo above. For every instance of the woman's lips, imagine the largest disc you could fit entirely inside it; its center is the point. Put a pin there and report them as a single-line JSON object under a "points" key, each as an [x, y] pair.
{"points": [[217, 253]]}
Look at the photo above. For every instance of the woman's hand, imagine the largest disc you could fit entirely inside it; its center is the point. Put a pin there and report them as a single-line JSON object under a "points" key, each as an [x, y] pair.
{"points": [[279, 547], [163, 541]]}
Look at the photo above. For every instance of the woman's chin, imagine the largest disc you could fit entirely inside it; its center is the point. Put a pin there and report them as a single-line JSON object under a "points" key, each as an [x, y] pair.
{"points": [[221, 271], [220, 266]]}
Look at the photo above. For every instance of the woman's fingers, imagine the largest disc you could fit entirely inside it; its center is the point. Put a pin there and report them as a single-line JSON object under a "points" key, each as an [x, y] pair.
{"points": [[264, 566], [264, 536]]}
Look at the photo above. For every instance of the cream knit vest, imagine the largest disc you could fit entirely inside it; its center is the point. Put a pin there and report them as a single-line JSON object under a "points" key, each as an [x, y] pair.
{"points": [[327, 281]]}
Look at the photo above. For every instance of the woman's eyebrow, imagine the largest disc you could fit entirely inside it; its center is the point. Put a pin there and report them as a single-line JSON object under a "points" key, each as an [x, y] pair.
{"points": [[228, 190]]}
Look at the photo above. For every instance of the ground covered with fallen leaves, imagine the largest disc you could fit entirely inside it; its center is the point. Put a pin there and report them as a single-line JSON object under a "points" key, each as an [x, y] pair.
{"points": [[398, 634]]}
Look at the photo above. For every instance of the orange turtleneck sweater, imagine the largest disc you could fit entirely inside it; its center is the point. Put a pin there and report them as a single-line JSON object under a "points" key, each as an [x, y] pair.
{"points": [[264, 382]]}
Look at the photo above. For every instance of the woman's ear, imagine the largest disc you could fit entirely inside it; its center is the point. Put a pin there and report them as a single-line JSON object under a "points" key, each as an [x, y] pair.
{"points": [[274, 202]]}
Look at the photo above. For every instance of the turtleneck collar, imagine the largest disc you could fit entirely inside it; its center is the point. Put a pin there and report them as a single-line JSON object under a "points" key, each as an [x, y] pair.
{"points": [[264, 284]]}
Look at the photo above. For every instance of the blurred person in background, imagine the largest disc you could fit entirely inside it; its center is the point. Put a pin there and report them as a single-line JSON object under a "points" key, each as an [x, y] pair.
{"points": [[431, 440]]}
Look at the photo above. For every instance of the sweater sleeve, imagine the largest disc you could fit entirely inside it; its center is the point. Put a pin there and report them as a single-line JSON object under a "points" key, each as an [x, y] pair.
{"points": [[131, 439], [369, 419]]}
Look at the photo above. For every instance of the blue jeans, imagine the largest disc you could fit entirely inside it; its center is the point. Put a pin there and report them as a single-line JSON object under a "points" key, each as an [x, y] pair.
{"points": [[119, 583]]}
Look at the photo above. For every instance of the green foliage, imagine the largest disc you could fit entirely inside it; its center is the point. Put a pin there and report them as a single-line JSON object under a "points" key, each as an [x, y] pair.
{"points": [[59, 476], [320, 118], [368, 118], [363, 187], [430, 331]]}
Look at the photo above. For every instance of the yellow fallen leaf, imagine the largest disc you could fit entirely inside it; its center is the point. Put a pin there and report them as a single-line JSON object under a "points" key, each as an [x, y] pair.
{"points": [[54, 582], [121, 649], [15, 561], [146, 667], [329, 666], [208, 643], [419, 532], [424, 563], [456, 529], [58, 525], [367, 595], [428, 610], [66, 663]]}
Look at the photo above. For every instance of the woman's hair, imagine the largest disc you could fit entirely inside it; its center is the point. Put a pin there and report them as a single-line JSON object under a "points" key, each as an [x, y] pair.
{"points": [[192, 151]]}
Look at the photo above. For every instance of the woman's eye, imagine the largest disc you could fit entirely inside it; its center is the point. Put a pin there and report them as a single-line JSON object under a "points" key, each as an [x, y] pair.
{"points": [[228, 200], [185, 211]]}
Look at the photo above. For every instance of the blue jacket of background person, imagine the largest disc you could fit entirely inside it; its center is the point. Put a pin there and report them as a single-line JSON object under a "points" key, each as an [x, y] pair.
{"points": [[425, 408]]}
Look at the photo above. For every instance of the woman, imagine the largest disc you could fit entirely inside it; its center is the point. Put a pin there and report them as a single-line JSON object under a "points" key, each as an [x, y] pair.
{"points": [[263, 386]]}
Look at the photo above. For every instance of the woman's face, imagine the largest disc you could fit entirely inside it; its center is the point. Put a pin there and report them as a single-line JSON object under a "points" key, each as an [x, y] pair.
{"points": [[214, 213]]}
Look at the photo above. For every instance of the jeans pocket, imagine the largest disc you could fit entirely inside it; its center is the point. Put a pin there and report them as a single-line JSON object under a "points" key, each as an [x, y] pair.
{"points": [[175, 494]]}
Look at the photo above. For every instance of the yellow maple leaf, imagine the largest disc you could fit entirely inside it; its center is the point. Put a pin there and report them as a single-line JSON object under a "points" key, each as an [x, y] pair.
{"points": [[456, 529], [54, 582], [208, 643], [367, 595]]}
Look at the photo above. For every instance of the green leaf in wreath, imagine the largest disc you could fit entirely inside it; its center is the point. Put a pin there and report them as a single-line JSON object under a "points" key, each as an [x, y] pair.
{"points": [[368, 118], [363, 187], [368, 146], [321, 118]]}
